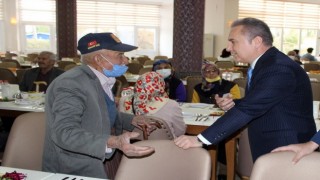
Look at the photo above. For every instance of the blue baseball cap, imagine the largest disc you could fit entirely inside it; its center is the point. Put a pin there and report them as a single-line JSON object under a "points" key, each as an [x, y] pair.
{"points": [[97, 41]]}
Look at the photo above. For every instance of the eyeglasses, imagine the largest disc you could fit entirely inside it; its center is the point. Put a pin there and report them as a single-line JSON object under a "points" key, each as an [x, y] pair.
{"points": [[210, 71]]}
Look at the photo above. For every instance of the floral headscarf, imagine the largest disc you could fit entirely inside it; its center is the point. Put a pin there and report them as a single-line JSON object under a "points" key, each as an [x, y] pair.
{"points": [[149, 95], [205, 65]]}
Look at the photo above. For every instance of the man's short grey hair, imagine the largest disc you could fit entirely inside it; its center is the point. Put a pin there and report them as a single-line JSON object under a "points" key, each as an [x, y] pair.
{"points": [[52, 56], [253, 27], [88, 58]]}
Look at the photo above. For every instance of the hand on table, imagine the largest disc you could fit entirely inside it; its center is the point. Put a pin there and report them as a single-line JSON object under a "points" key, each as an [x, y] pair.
{"points": [[122, 142], [186, 142], [226, 102], [301, 150]]}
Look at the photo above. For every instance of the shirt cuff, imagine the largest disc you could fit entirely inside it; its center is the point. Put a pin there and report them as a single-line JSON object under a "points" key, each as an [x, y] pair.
{"points": [[204, 140]]}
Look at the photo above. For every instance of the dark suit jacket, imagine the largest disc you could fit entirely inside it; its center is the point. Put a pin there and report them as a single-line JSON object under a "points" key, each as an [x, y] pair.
{"points": [[277, 108], [31, 75]]}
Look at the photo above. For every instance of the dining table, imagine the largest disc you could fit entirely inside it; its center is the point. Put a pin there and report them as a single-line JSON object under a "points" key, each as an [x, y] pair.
{"points": [[41, 175], [198, 116]]}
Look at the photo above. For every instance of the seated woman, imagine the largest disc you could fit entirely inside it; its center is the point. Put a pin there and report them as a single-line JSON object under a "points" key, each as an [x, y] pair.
{"points": [[213, 84], [174, 86], [150, 98]]}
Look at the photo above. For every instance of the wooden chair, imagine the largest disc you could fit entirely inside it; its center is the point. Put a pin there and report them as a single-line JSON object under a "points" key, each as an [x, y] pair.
{"points": [[167, 162], [8, 65], [8, 75], [148, 63], [191, 82], [279, 166], [24, 147], [134, 68], [142, 59], [242, 82]]}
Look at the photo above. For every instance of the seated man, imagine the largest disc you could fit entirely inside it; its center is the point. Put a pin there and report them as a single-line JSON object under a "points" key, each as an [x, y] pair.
{"points": [[45, 72]]}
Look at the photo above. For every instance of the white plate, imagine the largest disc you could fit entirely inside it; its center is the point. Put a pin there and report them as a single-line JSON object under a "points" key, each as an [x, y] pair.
{"points": [[23, 102], [199, 105], [188, 114]]}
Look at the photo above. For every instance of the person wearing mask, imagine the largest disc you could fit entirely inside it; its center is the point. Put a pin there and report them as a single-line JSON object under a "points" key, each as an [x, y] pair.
{"points": [[46, 72], [213, 84], [149, 98], [81, 112], [275, 84], [174, 86]]}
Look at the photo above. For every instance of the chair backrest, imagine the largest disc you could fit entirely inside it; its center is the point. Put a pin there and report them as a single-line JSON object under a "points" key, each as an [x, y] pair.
{"points": [[315, 86], [13, 61], [144, 70], [224, 64], [167, 162], [212, 59], [160, 133], [134, 68], [63, 64], [32, 57], [245, 162], [8, 65], [148, 63], [311, 67], [142, 59], [123, 80], [8, 75], [24, 146], [160, 57], [191, 82], [20, 74], [315, 77], [117, 88], [279, 166], [242, 82]]}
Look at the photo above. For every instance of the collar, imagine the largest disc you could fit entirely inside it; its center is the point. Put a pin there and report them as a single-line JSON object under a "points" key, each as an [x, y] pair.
{"points": [[104, 80]]}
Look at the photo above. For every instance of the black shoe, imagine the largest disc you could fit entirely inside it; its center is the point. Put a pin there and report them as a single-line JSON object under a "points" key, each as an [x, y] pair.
{"points": [[222, 177]]}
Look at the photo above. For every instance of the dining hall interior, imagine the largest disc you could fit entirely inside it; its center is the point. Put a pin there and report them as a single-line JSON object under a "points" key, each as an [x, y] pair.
{"points": [[189, 38]]}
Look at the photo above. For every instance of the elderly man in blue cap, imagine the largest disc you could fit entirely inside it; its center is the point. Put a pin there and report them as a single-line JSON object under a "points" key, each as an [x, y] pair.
{"points": [[80, 111]]}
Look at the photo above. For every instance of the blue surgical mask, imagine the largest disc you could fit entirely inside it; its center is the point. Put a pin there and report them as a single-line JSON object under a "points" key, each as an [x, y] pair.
{"points": [[117, 70]]}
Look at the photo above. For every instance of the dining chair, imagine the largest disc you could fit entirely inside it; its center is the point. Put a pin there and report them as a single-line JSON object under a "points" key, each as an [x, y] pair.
{"points": [[244, 161], [142, 59], [63, 64], [211, 59], [32, 57], [311, 67], [134, 68], [314, 77], [144, 70], [148, 63], [191, 82], [7, 74], [25, 143], [279, 166], [315, 87], [242, 82], [162, 132], [8, 65], [224, 64], [167, 162], [160, 57], [17, 64]]}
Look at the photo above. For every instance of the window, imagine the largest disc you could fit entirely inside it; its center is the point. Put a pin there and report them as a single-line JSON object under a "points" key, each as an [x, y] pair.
{"points": [[1, 27], [135, 24], [294, 25], [37, 21]]}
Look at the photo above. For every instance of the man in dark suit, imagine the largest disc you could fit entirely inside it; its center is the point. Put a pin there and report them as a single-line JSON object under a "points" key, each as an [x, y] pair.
{"points": [[46, 72], [277, 107]]}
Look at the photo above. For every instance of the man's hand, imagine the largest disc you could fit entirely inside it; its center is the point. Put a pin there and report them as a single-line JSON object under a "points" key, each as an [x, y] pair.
{"points": [[301, 150], [226, 102], [145, 123], [122, 142], [186, 142]]}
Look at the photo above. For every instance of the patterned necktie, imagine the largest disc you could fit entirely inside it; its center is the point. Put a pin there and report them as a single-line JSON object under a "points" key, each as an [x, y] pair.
{"points": [[249, 74]]}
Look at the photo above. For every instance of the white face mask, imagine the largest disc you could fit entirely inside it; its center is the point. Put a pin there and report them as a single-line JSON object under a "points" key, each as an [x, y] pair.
{"points": [[164, 72]]}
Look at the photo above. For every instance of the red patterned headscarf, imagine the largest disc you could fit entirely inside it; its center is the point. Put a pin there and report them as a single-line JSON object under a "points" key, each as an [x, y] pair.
{"points": [[149, 94]]}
